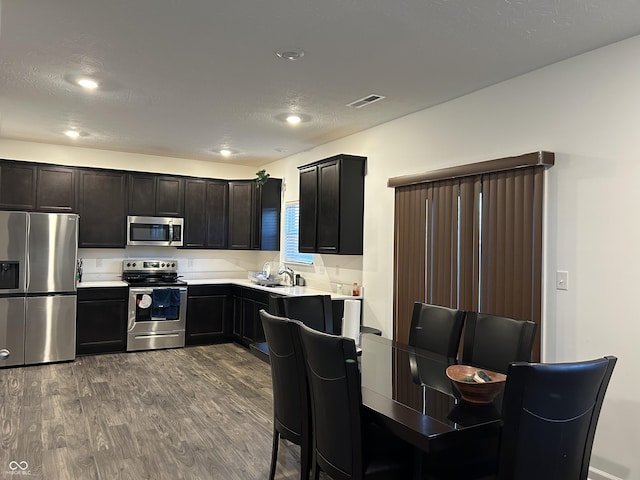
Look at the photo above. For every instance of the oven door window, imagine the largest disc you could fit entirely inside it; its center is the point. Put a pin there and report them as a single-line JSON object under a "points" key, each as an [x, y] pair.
{"points": [[146, 232], [149, 308]]}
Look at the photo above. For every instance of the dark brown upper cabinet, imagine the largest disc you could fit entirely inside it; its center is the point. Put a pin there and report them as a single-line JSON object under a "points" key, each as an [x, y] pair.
{"points": [[37, 187], [254, 214], [17, 185], [102, 202], [218, 213], [56, 189], [242, 214], [155, 195], [332, 205], [206, 213], [270, 196]]}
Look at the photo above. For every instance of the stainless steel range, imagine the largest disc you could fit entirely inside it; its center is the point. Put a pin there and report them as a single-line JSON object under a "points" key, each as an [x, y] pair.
{"points": [[157, 304]]}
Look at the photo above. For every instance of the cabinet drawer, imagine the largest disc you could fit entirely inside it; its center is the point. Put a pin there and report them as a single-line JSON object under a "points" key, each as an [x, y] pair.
{"points": [[255, 295], [103, 293], [208, 290]]}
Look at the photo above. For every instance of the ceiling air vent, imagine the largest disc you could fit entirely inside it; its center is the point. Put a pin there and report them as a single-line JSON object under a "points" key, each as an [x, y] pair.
{"points": [[368, 100]]}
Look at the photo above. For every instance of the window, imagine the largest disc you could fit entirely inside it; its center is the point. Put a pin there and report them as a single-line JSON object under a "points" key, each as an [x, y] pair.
{"points": [[291, 231]]}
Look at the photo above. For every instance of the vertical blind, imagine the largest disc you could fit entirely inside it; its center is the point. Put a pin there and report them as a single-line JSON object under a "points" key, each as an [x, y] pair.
{"points": [[511, 247], [472, 242]]}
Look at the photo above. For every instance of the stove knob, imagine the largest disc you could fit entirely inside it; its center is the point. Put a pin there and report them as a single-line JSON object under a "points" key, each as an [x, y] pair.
{"points": [[163, 265], [128, 264], [173, 265], [133, 264]]}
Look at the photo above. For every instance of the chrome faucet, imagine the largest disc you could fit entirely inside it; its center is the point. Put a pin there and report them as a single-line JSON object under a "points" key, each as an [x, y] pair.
{"points": [[284, 270]]}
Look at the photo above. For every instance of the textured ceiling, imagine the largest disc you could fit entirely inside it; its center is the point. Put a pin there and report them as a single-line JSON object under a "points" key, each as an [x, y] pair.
{"points": [[184, 78]]}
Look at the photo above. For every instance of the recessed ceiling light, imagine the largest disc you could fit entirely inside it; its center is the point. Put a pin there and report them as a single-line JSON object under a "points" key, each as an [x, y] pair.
{"points": [[290, 54], [72, 133], [91, 81], [293, 118], [226, 152], [280, 150], [88, 83]]}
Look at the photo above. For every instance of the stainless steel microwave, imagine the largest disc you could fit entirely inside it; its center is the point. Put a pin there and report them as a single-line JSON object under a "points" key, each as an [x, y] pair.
{"points": [[155, 231]]}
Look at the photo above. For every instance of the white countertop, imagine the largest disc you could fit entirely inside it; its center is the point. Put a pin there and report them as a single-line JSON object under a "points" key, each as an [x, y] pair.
{"points": [[103, 284], [281, 290]]}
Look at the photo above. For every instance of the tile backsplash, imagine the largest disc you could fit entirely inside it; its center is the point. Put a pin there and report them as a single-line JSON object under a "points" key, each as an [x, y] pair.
{"points": [[103, 264]]}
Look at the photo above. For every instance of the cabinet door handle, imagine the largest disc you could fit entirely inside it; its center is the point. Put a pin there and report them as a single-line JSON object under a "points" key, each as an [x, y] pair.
{"points": [[4, 354]]}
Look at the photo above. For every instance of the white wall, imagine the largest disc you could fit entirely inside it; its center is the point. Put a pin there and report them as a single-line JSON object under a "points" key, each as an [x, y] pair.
{"points": [[587, 111], [87, 157]]}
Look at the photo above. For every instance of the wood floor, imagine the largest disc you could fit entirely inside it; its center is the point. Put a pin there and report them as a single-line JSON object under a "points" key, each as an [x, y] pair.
{"points": [[192, 413]]}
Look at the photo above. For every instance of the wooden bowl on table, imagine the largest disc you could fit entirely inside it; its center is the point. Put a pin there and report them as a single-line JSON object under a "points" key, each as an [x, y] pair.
{"points": [[472, 391]]}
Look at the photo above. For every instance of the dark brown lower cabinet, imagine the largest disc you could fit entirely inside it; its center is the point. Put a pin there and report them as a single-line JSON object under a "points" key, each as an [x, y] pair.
{"points": [[247, 326], [101, 320], [209, 312]]}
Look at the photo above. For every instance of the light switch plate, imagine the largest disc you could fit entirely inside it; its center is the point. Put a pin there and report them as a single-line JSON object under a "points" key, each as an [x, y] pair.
{"points": [[562, 280]]}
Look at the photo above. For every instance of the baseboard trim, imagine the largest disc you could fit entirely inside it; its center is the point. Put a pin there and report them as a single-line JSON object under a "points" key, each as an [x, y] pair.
{"points": [[595, 474]]}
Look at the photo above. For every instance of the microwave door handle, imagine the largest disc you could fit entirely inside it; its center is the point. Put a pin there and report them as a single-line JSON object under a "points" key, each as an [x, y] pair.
{"points": [[170, 232]]}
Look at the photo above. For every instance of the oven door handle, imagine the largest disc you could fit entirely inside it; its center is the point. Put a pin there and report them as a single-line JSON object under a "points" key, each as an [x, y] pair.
{"points": [[156, 335], [140, 291]]}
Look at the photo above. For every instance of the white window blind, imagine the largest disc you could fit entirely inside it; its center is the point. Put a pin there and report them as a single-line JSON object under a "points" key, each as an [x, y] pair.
{"points": [[291, 232]]}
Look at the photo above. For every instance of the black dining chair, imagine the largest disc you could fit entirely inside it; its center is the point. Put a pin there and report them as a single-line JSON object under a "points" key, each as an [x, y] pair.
{"points": [[436, 329], [312, 310], [291, 411], [345, 445], [549, 418], [550, 413], [493, 342]]}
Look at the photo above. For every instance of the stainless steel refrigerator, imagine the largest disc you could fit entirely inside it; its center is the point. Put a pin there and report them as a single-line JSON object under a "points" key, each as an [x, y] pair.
{"points": [[38, 253]]}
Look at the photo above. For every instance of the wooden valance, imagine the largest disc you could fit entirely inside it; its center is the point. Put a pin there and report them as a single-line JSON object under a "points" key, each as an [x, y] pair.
{"points": [[540, 158]]}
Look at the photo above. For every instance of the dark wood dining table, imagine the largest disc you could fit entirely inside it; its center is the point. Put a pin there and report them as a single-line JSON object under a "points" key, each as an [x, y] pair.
{"points": [[406, 390], [400, 382]]}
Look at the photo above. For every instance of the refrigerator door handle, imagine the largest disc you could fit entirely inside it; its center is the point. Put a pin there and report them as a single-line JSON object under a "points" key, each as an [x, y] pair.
{"points": [[27, 269], [4, 354]]}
